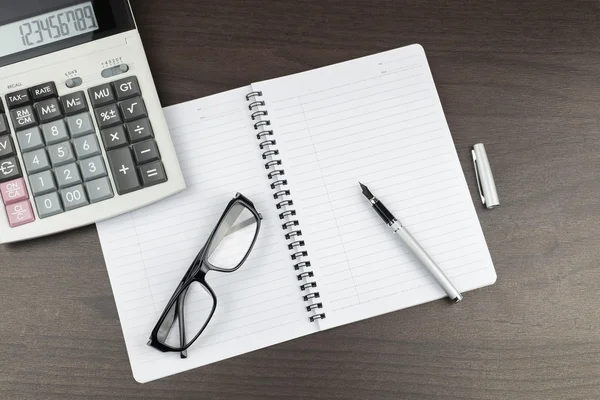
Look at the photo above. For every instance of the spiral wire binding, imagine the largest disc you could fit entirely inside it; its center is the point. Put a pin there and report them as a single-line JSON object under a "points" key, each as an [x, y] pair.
{"points": [[291, 226]]}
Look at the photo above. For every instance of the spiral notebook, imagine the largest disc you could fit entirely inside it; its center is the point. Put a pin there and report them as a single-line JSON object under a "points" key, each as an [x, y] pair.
{"points": [[297, 147]]}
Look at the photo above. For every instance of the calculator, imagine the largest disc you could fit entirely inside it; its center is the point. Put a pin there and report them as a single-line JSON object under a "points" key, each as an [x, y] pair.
{"points": [[82, 133]]}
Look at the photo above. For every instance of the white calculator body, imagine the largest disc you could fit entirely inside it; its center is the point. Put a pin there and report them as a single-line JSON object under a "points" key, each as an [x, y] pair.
{"points": [[82, 133]]}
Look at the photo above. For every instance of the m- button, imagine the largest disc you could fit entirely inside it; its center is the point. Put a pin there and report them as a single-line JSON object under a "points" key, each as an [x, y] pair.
{"points": [[127, 88]]}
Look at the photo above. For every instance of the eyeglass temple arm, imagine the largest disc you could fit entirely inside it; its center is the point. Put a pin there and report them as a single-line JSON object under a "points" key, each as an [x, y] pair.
{"points": [[181, 313]]}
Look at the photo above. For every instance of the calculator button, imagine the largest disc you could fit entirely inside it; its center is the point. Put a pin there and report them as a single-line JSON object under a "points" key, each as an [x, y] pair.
{"points": [[153, 173], [92, 168], [133, 109], [3, 125], [139, 130], [9, 169], [30, 139], [36, 161], [48, 110], [86, 146], [145, 151], [67, 175], [74, 197], [108, 116], [123, 170], [7, 147], [74, 103], [23, 118], [55, 132], [43, 91], [48, 205], [18, 99], [127, 88], [14, 191], [99, 190], [42, 183], [73, 82], [19, 213], [80, 125], [101, 95], [61, 154], [114, 137]]}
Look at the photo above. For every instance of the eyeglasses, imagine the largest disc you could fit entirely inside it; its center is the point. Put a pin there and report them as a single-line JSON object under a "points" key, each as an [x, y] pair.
{"points": [[193, 303]]}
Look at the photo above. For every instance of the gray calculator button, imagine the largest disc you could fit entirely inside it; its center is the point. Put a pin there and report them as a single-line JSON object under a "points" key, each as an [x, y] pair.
{"points": [[3, 125], [133, 109], [108, 116], [9, 169], [86, 146], [92, 168], [23, 118], [123, 170], [101, 95], [48, 110], [67, 175], [48, 205], [139, 130], [74, 103], [127, 88], [114, 137], [7, 147], [153, 173], [55, 132], [42, 183], [145, 151], [99, 190], [74, 197], [61, 154], [30, 139], [36, 161], [80, 124]]}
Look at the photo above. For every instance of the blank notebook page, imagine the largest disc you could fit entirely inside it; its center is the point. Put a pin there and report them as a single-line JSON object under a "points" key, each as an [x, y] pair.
{"points": [[377, 120], [148, 251]]}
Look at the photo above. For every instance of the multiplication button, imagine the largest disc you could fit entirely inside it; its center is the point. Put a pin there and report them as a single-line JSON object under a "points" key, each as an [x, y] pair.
{"points": [[114, 137]]}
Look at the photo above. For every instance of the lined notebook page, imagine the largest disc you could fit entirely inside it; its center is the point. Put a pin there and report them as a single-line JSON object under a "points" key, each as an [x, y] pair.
{"points": [[377, 120], [148, 251]]}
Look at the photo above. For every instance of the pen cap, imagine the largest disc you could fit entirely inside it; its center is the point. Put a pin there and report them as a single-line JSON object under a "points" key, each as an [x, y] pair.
{"points": [[485, 179]]}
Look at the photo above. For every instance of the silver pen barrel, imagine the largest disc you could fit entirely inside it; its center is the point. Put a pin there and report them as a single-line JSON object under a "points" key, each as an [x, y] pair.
{"points": [[427, 261]]}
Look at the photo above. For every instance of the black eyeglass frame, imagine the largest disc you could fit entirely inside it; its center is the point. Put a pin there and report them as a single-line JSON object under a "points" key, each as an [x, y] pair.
{"points": [[197, 273]]}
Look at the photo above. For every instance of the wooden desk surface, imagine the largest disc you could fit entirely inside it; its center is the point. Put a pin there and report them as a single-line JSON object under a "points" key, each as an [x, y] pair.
{"points": [[522, 77]]}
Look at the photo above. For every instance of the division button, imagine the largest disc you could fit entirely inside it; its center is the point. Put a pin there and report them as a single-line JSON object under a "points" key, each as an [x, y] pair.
{"points": [[139, 130]]}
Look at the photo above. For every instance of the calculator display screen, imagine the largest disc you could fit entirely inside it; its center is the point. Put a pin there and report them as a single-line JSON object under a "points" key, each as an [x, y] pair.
{"points": [[48, 28], [32, 28]]}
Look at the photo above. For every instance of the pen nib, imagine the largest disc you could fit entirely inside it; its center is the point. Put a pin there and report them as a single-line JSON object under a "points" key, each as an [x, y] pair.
{"points": [[366, 191]]}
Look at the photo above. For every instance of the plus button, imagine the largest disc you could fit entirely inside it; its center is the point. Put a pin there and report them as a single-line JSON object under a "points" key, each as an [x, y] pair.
{"points": [[124, 169]]}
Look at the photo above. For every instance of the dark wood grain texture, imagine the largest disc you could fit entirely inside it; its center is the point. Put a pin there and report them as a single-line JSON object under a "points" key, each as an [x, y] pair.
{"points": [[522, 77]]}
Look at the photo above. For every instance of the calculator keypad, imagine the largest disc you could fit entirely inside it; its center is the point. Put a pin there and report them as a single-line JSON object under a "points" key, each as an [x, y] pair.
{"points": [[61, 151]]}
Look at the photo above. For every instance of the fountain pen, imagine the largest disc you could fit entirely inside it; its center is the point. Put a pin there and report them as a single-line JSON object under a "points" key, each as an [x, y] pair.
{"points": [[413, 245]]}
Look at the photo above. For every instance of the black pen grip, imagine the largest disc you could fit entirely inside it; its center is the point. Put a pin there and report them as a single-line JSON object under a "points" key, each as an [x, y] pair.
{"points": [[383, 212]]}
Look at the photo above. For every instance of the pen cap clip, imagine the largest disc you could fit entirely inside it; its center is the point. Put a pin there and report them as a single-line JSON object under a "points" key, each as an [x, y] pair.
{"points": [[485, 179]]}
